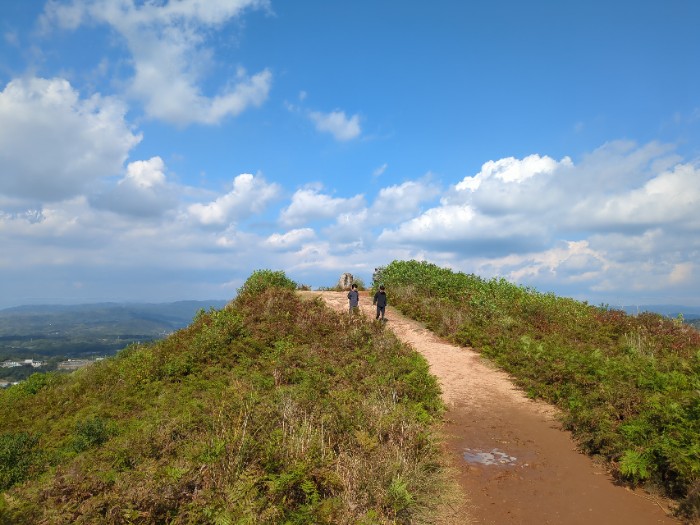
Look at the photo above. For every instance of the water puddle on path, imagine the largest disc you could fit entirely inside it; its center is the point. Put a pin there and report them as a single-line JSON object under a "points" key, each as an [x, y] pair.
{"points": [[493, 457]]}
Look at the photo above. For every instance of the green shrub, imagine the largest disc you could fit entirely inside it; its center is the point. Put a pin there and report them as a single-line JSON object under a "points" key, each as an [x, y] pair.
{"points": [[399, 496], [261, 280], [18, 453], [635, 466], [90, 433]]}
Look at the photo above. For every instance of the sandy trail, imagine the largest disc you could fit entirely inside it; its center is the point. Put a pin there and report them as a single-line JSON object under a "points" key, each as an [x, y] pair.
{"points": [[515, 463]]}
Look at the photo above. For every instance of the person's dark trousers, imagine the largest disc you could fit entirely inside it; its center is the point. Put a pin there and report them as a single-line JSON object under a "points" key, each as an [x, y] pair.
{"points": [[380, 311]]}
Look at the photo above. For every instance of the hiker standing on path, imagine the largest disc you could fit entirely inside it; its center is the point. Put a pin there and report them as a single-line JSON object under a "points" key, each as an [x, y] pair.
{"points": [[380, 301], [354, 297]]}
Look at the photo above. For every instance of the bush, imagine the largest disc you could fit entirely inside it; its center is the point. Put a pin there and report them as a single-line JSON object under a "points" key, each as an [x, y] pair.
{"points": [[261, 280], [17, 455], [90, 433]]}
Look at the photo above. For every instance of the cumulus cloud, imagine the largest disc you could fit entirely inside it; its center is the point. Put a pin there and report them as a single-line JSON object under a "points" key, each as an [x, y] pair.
{"points": [[396, 203], [71, 232], [511, 170], [290, 240], [512, 186], [461, 230], [55, 144], [566, 262], [337, 124], [392, 205], [250, 194], [143, 191], [669, 197], [167, 42], [617, 188], [309, 205]]}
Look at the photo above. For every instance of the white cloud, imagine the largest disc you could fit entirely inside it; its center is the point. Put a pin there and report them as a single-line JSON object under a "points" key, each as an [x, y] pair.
{"points": [[143, 191], [292, 239], [380, 170], [145, 173], [392, 205], [445, 223], [397, 202], [567, 262], [337, 124], [681, 274], [461, 230], [170, 58], [671, 196], [55, 144], [510, 170], [250, 195], [512, 186], [309, 205]]}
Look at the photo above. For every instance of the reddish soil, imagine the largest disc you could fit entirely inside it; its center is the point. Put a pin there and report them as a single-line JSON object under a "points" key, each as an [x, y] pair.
{"points": [[514, 462]]}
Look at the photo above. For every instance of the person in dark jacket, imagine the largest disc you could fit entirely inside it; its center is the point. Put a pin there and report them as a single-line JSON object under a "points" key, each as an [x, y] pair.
{"points": [[380, 301], [354, 297]]}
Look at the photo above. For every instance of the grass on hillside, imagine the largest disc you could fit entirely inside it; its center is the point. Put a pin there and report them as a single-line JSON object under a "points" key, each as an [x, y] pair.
{"points": [[629, 386], [271, 410]]}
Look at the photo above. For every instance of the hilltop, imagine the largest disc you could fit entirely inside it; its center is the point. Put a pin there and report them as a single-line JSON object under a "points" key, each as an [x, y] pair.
{"points": [[270, 410]]}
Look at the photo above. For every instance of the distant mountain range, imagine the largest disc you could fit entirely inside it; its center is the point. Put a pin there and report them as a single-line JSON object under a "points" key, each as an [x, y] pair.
{"points": [[176, 315], [101, 328]]}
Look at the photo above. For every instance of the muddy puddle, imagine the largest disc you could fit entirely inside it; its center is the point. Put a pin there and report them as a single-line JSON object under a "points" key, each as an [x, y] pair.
{"points": [[494, 457]]}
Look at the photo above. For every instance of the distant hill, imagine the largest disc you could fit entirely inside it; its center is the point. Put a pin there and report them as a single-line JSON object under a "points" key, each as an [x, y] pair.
{"points": [[101, 328]]}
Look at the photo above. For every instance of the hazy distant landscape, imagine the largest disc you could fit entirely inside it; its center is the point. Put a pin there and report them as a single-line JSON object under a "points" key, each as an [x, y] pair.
{"points": [[54, 332], [690, 314]]}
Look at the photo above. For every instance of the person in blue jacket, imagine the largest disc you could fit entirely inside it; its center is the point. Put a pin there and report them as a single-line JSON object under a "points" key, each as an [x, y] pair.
{"points": [[380, 301], [354, 297]]}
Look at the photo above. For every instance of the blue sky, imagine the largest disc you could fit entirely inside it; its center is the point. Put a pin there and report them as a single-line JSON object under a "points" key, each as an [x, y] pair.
{"points": [[163, 150]]}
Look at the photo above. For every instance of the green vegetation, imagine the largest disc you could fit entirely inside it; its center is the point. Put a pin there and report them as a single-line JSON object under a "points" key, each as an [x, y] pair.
{"points": [[629, 386], [271, 410]]}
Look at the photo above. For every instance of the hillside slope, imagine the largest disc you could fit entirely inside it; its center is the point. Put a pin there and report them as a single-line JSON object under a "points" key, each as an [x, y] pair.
{"points": [[271, 410], [509, 452], [629, 387]]}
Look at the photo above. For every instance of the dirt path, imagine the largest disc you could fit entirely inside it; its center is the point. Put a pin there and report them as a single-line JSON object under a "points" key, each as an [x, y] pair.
{"points": [[515, 463]]}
